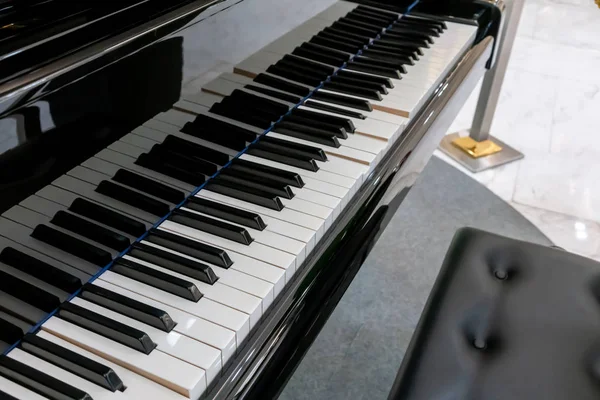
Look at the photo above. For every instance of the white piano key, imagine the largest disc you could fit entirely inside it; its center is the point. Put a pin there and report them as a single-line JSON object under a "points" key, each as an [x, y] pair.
{"points": [[235, 279], [204, 308], [268, 238], [316, 197], [255, 250], [172, 343], [137, 386], [17, 391], [95, 391], [187, 324], [344, 151], [286, 214], [321, 175], [273, 221], [168, 371], [219, 293]]}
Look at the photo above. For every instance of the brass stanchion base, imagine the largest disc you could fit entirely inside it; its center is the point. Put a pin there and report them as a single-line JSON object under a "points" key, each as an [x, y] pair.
{"points": [[478, 156]]}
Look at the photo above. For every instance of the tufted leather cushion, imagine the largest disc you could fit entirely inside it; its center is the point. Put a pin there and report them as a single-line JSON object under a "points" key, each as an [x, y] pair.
{"points": [[506, 320]]}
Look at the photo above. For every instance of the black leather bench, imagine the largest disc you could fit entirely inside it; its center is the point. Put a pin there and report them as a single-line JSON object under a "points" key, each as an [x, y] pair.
{"points": [[508, 320]]}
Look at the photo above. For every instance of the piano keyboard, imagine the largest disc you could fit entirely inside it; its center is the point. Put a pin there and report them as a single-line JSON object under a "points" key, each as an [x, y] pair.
{"points": [[142, 271]]}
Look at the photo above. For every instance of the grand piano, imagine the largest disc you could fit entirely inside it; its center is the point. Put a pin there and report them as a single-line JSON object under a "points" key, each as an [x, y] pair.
{"points": [[189, 187]]}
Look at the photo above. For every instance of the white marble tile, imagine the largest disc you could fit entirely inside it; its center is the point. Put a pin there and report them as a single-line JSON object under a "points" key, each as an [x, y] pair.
{"points": [[559, 183], [501, 181], [573, 234], [555, 60], [524, 113], [528, 18], [576, 119], [523, 116], [568, 24]]}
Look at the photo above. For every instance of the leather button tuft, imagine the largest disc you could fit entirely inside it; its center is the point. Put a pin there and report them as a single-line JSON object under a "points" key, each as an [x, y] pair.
{"points": [[479, 344], [501, 274]]}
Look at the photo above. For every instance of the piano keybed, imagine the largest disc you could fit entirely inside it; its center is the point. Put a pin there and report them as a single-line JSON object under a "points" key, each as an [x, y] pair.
{"points": [[141, 271]]}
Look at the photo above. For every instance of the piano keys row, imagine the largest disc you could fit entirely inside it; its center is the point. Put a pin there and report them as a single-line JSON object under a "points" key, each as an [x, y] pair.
{"points": [[176, 306], [363, 58]]}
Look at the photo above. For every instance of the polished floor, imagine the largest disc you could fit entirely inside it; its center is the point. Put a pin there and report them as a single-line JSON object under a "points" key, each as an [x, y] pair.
{"points": [[550, 110]]}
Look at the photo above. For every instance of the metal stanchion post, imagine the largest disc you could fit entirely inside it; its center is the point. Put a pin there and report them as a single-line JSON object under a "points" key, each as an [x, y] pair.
{"points": [[480, 150]]}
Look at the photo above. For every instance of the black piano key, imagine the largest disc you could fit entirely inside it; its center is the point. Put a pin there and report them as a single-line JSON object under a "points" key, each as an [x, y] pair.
{"points": [[160, 280], [281, 84], [432, 30], [332, 43], [304, 71], [356, 82], [326, 119], [387, 82], [380, 63], [306, 163], [206, 122], [252, 109], [192, 248], [73, 362], [174, 262], [71, 245], [389, 72], [427, 22], [128, 307], [155, 163], [396, 43], [149, 186], [311, 65], [39, 382], [193, 166], [369, 17], [191, 149], [261, 102], [351, 27], [259, 183], [352, 90], [385, 56], [228, 213], [408, 26], [40, 270], [294, 76], [274, 93], [212, 226], [342, 55], [91, 231], [319, 120], [307, 133], [246, 194], [107, 327], [344, 36], [363, 23], [342, 100], [287, 177], [379, 13], [410, 33], [108, 217], [314, 152], [400, 51], [239, 115], [340, 42], [133, 198], [28, 293], [9, 333], [216, 137], [333, 109]]}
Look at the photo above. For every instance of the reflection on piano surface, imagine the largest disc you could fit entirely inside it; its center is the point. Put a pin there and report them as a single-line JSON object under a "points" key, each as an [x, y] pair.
{"points": [[164, 237]]}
